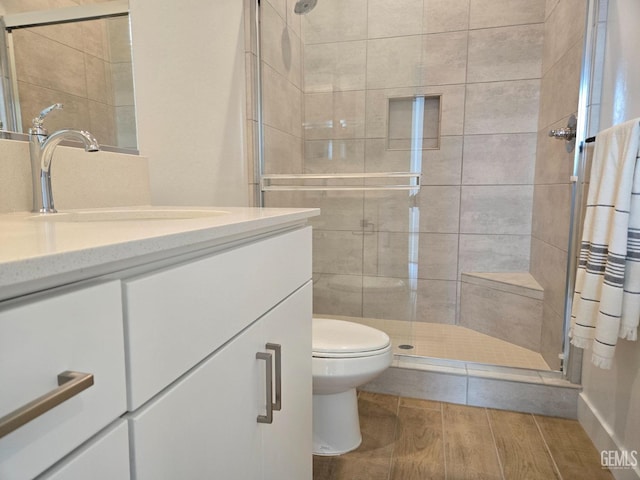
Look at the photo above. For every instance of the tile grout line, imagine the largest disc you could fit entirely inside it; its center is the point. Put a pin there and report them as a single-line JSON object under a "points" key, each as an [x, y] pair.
{"points": [[444, 444], [395, 436], [546, 446], [495, 444]]}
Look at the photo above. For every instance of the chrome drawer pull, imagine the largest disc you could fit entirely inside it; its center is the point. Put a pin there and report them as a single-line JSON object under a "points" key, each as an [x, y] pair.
{"points": [[71, 384], [278, 349], [268, 418]]}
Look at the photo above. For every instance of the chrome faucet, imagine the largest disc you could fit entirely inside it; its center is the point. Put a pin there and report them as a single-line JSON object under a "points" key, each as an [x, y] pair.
{"points": [[41, 148]]}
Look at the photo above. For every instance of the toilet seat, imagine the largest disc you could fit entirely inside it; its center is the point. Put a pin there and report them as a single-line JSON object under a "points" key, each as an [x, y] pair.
{"points": [[340, 339]]}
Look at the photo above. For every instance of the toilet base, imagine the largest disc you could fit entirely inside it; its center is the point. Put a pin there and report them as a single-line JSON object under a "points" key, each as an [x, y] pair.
{"points": [[336, 427]]}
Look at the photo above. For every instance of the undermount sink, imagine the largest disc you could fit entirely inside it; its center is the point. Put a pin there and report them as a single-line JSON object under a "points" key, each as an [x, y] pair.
{"points": [[127, 215]]}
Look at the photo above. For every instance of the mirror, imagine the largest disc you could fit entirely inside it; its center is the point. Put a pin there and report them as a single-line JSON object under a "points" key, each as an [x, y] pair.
{"points": [[79, 56]]}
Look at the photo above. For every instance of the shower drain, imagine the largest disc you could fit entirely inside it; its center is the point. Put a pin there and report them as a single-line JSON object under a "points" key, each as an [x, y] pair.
{"points": [[405, 346]]}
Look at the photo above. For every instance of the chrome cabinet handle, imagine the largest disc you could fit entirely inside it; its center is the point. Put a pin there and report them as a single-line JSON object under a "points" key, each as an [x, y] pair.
{"points": [[278, 350], [70, 384], [267, 357]]}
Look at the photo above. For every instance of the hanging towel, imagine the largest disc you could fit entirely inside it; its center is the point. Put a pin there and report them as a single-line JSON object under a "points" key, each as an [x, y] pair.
{"points": [[606, 302]]}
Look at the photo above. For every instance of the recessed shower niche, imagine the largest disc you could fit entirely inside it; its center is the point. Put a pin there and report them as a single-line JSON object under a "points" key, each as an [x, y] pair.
{"points": [[413, 123]]}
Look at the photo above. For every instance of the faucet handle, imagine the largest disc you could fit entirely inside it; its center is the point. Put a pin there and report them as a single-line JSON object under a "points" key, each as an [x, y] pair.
{"points": [[37, 124]]}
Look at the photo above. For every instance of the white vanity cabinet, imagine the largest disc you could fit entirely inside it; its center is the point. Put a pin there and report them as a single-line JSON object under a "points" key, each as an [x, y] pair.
{"points": [[205, 425], [42, 336], [211, 317], [179, 344]]}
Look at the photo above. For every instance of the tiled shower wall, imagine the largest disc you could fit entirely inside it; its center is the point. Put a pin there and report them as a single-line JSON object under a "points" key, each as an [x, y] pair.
{"points": [[96, 85], [561, 65], [502, 70], [390, 254]]}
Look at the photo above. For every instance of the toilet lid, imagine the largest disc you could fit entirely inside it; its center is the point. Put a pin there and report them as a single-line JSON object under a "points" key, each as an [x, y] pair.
{"points": [[338, 336]]}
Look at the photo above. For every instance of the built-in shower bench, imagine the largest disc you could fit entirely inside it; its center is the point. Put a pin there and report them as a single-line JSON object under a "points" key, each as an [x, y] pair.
{"points": [[505, 305]]}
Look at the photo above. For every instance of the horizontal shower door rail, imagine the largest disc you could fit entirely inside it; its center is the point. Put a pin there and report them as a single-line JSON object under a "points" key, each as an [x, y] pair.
{"points": [[327, 181]]}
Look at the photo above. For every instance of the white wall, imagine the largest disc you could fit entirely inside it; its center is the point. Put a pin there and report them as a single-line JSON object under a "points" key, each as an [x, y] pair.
{"points": [[609, 407], [190, 99]]}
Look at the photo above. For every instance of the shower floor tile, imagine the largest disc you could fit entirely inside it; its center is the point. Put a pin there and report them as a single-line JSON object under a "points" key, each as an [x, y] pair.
{"points": [[453, 342]]}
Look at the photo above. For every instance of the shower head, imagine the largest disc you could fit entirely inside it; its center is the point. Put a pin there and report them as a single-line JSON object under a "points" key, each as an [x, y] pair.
{"points": [[304, 6]]}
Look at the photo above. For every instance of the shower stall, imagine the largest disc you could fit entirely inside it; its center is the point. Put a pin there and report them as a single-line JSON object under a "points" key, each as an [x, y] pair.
{"points": [[420, 129]]}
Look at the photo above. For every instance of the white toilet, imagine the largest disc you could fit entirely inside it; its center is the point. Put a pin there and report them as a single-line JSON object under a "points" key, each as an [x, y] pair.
{"points": [[345, 356]]}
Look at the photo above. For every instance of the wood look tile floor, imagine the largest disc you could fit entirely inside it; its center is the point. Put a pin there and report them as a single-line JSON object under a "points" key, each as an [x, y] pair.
{"points": [[409, 439]]}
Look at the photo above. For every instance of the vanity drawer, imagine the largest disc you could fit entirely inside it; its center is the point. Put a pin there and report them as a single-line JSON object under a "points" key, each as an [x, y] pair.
{"points": [[176, 317], [42, 336], [105, 457]]}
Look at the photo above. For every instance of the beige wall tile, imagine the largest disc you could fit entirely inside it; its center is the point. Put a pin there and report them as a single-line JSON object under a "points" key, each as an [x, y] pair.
{"points": [[330, 67], [33, 99], [445, 15], [70, 35], [563, 28], [334, 156], [551, 336], [107, 39], [496, 13], [549, 266], [388, 19], [439, 209], [502, 107], [49, 64], [498, 209], [102, 122], [494, 253], [337, 252], [440, 166], [560, 88], [444, 165], [337, 294], [282, 102], [97, 73], [388, 297], [281, 48], [282, 152], [514, 318], [553, 163], [505, 53], [444, 58], [335, 21], [394, 62], [552, 214], [380, 159], [339, 210], [337, 115], [393, 254], [436, 301], [499, 159], [280, 7]]}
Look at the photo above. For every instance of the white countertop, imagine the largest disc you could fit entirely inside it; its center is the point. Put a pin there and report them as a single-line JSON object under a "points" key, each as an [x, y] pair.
{"points": [[37, 254]]}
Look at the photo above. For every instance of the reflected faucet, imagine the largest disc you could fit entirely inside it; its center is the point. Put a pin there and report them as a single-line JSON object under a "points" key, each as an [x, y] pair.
{"points": [[41, 148]]}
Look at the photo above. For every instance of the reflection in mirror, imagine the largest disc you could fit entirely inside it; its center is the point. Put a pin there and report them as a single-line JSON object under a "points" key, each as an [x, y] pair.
{"points": [[85, 65]]}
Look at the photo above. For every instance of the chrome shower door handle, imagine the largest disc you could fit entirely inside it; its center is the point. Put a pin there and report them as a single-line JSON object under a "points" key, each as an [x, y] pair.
{"points": [[267, 357], [70, 384], [277, 348]]}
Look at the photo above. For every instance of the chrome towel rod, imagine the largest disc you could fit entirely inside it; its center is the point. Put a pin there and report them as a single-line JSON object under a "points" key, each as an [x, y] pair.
{"points": [[295, 182]]}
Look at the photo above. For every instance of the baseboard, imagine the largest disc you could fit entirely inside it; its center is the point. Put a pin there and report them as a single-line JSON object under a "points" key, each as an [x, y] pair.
{"points": [[603, 437]]}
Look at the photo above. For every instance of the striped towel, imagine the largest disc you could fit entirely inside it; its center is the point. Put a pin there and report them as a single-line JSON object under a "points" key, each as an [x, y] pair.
{"points": [[606, 302]]}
